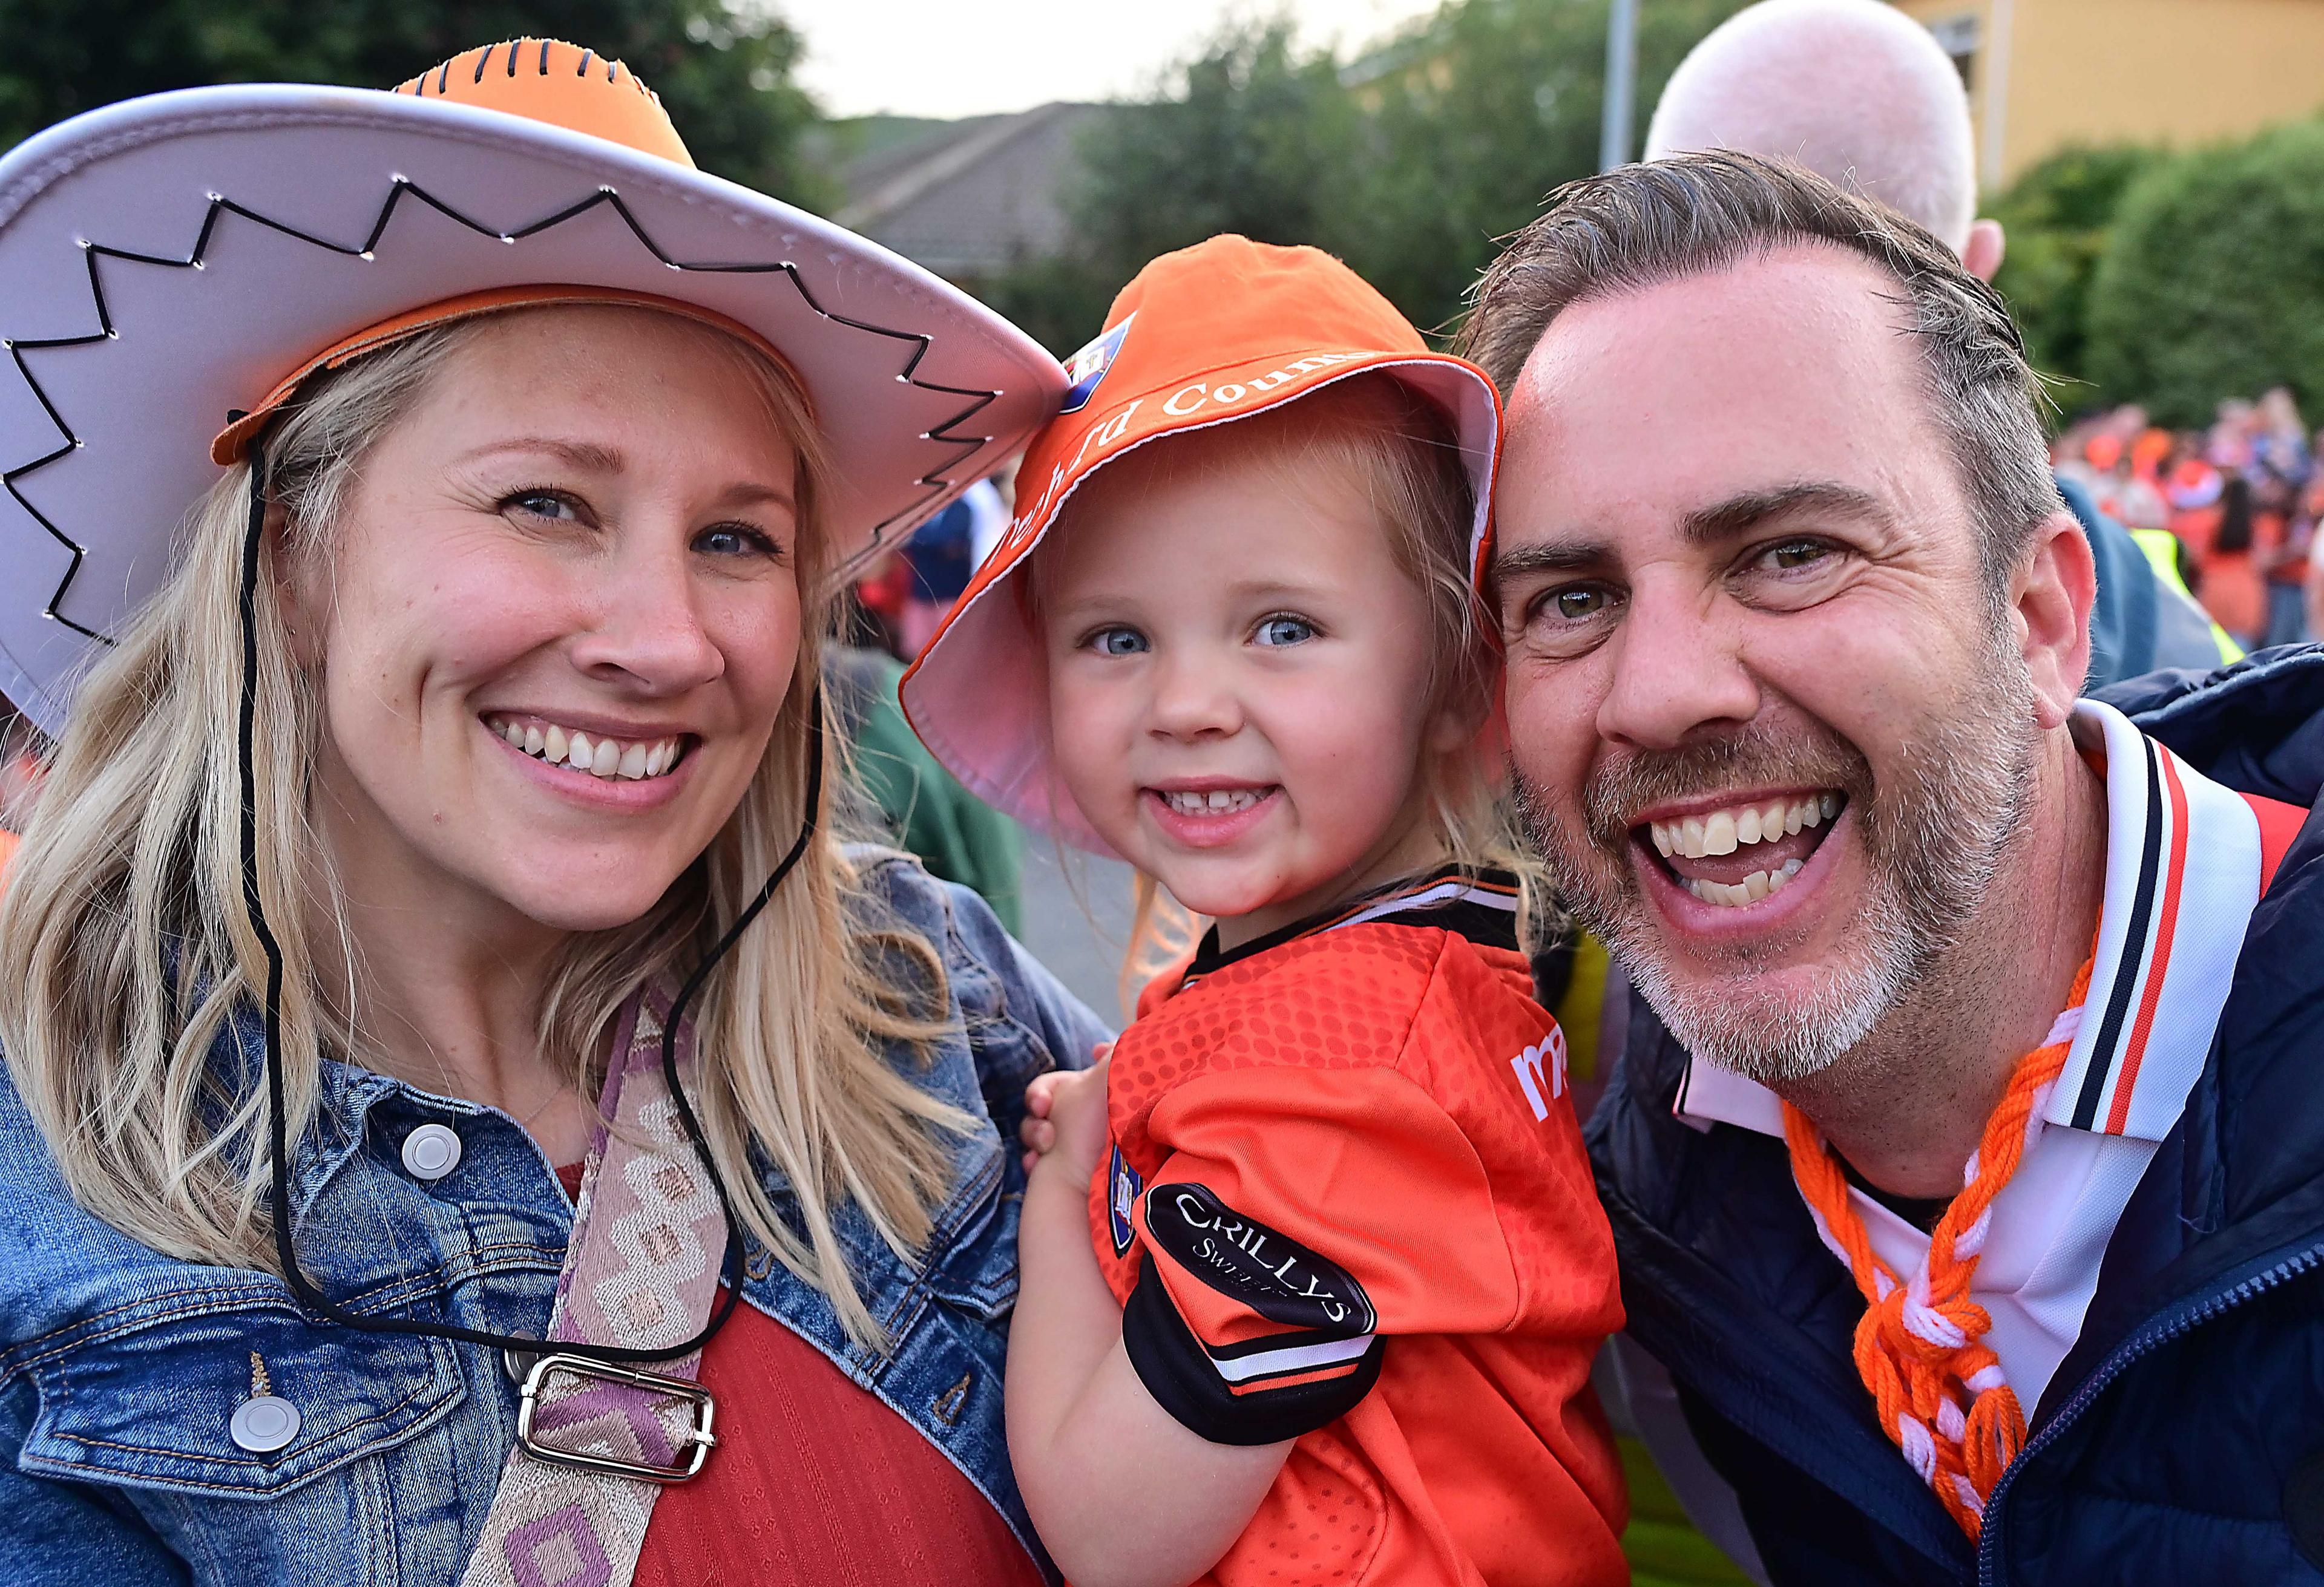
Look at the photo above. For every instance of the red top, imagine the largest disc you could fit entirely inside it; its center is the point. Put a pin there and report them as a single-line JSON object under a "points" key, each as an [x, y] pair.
{"points": [[1348, 1204], [815, 1480]]}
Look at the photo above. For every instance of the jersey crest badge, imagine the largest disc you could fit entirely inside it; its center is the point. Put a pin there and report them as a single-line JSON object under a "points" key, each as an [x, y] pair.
{"points": [[1122, 1186], [1086, 368]]}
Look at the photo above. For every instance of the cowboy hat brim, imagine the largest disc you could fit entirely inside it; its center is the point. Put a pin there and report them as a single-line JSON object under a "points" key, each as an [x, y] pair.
{"points": [[168, 260]]}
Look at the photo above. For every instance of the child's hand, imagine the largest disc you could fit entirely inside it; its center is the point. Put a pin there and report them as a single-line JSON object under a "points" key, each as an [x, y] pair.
{"points": [[1064, 1118]]}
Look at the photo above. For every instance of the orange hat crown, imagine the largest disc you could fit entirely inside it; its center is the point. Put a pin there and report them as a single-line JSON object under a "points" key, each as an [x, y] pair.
{"points": [[564, 85], [544, 80]]}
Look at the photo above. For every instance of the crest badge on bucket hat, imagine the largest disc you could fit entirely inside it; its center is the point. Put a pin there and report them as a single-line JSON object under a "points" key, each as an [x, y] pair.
{"points": [[1219, 332], [171, 261]]}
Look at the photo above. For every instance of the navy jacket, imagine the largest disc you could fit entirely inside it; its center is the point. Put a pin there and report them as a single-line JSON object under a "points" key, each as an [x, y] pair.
{"points": [[2182, 1439]]}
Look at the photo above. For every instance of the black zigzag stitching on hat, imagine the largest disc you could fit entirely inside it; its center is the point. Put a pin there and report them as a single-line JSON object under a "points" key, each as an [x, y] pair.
{"points": [[919, 342]]}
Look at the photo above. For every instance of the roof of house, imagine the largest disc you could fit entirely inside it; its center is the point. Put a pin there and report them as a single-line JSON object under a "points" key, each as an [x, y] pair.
{"points": [[968, 198]]}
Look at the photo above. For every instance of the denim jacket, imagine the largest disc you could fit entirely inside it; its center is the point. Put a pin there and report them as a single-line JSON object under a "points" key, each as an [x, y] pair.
{"points": [[121, 1368]]}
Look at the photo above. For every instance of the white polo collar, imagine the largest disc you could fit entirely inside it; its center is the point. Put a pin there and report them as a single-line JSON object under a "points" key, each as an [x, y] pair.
{"points": [[2183, 876]]}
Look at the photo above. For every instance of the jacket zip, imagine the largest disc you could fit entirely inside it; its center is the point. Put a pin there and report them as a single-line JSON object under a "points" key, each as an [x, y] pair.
{"points": [[2156, 1334]]}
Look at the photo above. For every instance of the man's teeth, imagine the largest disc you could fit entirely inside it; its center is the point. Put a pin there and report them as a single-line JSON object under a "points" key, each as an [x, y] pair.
{"points": [[1217, 801], [603, 757], [1722, 831], [1749, 890]]}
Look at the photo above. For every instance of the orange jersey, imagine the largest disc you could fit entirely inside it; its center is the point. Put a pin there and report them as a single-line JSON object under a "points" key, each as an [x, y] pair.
{"points": [[1347, 1203]]}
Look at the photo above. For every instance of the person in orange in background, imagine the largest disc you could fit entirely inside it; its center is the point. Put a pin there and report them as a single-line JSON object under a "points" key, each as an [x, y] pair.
{"points": [[2191, 487], [1313, 1271], [2231, 588]]}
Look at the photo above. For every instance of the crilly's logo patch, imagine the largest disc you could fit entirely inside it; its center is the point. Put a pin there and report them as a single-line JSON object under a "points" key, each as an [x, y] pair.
{"points": [[1269, 1272]]}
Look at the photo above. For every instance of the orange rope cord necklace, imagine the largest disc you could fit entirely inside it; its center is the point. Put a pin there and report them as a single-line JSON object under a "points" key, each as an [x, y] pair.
{"points": [[1921, 1347]]}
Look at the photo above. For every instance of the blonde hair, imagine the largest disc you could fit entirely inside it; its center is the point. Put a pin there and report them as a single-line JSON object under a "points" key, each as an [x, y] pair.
{"points": [[124, 947], [1376, 430]]}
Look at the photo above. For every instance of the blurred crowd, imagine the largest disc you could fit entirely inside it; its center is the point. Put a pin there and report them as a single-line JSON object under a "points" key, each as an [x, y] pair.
{"points": [[2234, 507]]}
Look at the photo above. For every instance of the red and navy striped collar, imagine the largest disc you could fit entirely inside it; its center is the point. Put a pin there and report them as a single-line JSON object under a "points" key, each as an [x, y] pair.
{"points": [[2186, 862], [1479, 905], [2184, 868]]}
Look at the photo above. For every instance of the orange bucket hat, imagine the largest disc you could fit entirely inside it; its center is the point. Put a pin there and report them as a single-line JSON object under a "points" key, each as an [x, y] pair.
{"points": [[1203, 337], [173, 267]]}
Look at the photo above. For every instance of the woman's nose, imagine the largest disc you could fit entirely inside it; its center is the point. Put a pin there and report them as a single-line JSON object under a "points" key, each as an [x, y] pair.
{"points": [[649, 626]]}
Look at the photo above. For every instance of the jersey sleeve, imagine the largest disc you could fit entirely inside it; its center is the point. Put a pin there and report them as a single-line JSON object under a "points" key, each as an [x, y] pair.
{"points": [[1300, 1216]]}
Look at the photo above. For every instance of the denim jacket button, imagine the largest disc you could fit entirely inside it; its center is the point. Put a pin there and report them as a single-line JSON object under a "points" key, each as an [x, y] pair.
{"points": [[264, 1425], [431, 1152]]}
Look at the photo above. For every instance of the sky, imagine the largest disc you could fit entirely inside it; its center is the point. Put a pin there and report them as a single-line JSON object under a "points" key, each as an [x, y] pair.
{"points": [[952, 58]]}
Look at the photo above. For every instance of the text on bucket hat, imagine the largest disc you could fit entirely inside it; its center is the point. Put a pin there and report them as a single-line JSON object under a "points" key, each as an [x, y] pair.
{"points": [[1208, 334]]}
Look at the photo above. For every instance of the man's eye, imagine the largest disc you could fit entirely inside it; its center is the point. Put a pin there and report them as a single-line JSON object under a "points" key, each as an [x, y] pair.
{"points": [[1791, 556], [1283, 630], [1577, 603], [1116, 640]]}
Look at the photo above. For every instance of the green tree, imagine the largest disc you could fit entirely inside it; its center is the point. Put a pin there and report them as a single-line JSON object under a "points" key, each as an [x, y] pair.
{"points": [[2059, 216], [2213, 283], [1479, 114], [723, 67], [1260, 140], [1254, 134], [1408, 162]]}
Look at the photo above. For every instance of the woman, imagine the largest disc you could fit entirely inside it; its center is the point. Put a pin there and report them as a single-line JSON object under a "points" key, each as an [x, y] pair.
{"points": [[454, 779]]}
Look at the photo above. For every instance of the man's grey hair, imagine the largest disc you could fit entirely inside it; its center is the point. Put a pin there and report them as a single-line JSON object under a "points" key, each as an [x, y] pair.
{"points": [[1641, 226], [1855, 91]]}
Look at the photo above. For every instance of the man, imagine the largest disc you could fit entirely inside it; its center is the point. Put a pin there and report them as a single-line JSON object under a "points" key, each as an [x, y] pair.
{"points": [[1862, 94], [1796, 626]]}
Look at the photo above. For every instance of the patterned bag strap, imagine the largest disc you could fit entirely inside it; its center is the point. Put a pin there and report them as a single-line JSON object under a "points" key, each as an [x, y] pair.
{"points": [[596, 1444]]}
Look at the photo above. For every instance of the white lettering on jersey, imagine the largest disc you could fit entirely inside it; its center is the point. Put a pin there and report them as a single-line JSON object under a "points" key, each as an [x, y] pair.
{"points": [[1541, 1071]]}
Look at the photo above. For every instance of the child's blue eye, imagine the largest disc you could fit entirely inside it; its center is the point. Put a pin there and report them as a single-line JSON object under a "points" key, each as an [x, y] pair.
{"points": [[1283, 630], [1117, 640]]}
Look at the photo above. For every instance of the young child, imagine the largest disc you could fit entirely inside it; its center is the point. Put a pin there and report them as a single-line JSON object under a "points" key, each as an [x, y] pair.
{"points": [[1313, 1266]]}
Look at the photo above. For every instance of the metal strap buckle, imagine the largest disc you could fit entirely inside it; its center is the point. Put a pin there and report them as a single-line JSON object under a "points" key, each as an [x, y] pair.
{"points": [[696, 1442]]}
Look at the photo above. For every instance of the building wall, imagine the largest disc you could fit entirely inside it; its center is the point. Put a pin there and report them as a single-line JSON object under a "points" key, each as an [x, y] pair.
{"points": [[2168, 71]]}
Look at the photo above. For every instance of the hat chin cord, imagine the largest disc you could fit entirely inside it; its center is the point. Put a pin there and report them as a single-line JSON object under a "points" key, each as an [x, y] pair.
{"points": [[279, 1198]]}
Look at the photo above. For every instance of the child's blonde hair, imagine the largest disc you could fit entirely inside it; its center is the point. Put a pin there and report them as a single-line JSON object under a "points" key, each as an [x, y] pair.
{"points": [[1374, 428]]}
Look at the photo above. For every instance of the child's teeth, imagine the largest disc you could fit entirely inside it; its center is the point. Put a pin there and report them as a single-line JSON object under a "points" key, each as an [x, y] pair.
{"points": [[1216, 801]]}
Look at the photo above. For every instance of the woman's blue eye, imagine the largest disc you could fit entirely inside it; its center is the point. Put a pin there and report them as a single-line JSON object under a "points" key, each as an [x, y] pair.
{"points": [[732, 540], [1116, 641], [1283, 630], [544, 504]]}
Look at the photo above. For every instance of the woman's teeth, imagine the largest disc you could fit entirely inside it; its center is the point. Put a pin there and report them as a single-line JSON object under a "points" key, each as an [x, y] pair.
{"points": [[1749, 890], [1723, 832], [1216, 801], [601, 757]]}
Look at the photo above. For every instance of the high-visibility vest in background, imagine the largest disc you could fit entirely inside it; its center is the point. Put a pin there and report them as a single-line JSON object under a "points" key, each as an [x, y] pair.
{"points": [[2161, 548]]}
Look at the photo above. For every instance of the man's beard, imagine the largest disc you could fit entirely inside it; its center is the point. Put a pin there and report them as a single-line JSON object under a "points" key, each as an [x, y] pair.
{"points": [[1935, 832]]}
